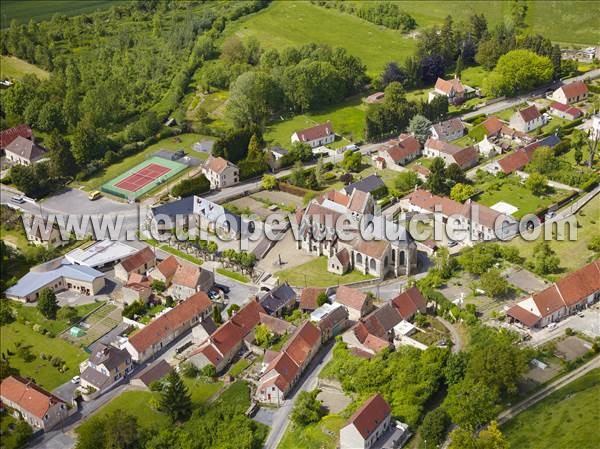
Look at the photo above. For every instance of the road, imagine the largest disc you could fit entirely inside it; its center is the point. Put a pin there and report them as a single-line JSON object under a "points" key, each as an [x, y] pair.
{"points": [[510, 102], [308, 382], [457, 343], [510, 413]]}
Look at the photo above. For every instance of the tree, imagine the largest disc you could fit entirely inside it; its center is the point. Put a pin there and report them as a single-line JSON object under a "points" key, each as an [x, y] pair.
{"points": [[494, 284], [392, 73], [518, 13], [209, 371], [489, 438], [543, 161], [462, 192], [191, 186], [322, 298], [116, 430], [434, 428], [456, 174], [436, 181], [269, 182], [471, 404], [67, 313], [352, 161], [545, 261], [516, 71], [537, 183], [175, 399], [319, 172], [253, 98], [233, 308], [419, 127], [307, 409], [594, 244], [47, 303], [406, 181], [86, 143], [158, 286], [62, 162], [6, 314], [263, 335], [216, 315]]}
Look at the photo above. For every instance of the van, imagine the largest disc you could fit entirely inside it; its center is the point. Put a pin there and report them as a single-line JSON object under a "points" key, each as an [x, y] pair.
{"points": [[94, 195]]}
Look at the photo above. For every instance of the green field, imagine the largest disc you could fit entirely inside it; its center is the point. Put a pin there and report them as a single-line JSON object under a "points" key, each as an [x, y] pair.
{"points": [[233, 275], [314, 273], [181, 142], [323, 434], [572, 254], [15, 68], [567, 419], [285, 24], [41, 370], [23, 11]]}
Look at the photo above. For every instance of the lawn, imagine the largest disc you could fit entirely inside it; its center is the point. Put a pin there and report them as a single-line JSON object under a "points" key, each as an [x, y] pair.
{"points": [[347, 118], [473, 76], [174, 251], [170, 144], [285, 24], [233, 275], [512, 191], [566, 419], [22, 11], [11, 67], [315, 274], [41, 370], [572, 254], [202, 391], [323, 435], [239, 367]]}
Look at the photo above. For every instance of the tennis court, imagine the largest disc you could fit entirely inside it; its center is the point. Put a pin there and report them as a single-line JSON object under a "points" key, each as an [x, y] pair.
{"points": [[143, 178]]}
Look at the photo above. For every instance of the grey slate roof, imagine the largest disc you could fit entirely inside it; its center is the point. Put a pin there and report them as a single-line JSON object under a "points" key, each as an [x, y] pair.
{"points": [[368, 185], [25, 148], [109, 356], [278, 298], [184, 206]]}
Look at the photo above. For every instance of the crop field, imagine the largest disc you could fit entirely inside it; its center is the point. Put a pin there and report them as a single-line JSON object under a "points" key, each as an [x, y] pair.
{"points": [[23, 11], [15, 68]]}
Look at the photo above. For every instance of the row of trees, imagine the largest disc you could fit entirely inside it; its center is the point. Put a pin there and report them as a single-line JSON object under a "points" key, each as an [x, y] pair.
{"points": [[385, 14]]}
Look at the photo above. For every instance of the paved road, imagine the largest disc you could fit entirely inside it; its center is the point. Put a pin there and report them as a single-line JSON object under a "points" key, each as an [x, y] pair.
{"points": [[510, 102], [510, 413], [457, 343], [308, 382]]}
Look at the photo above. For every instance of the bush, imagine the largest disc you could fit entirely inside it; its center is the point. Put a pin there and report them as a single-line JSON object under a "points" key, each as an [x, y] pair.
{"points": [[191, 186], [569, 332]]}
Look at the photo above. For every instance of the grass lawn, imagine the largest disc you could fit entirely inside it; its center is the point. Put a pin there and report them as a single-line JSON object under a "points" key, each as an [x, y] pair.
{"points": [[572, 254], [233, 275], [474, 76], [41, 370], [315, 274], [285, 24], [323, 435], [174, 251], [566, 419], [33, 315], [11, 67], [202, 391], [9, 438], [347, 118], [510, 190], [238, 367], [169, 144]]}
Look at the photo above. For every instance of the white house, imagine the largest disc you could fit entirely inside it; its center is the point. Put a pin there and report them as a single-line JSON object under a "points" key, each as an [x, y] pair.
{"points": [[398, 152], [24, 151], [448, 130], [456, 92], [571, 93], [527, 119], [220, 172], [316, 136]]}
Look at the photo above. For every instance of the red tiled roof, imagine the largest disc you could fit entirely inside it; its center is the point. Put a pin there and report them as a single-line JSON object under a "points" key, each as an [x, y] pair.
{"points": [[230, 333], [446, 86], [466, 157], [580, 284], [571, 110], [405, 146], [548, 300], [168, 323], [529, 113], [519, 159], [10, 134], [344, 257], [375, 343], [524, 316], [372, 248], [217, 164], [350, 297], [358, 200], [308, 298], [316, 132], [370, 415], [440, 145], [492, 125], [168, 267], [485, 215], [428, 201], [421, 169], [187, 275], [336, 197], [409, 302], [576, 89], [28, 395], [449, 127], [302, 342], [135, 261]]}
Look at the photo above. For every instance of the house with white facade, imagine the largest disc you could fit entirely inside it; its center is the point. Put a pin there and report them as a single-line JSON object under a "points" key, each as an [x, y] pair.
{"points": [[571, 93], [453, 89], [451, 154], [527, 119], [397, 152], [220, 172], [315, 136], [106, 366], [24, 151], [448, 130]]}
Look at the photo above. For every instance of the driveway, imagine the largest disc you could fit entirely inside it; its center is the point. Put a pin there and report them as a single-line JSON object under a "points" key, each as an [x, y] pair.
{"points": [[525, 280]]}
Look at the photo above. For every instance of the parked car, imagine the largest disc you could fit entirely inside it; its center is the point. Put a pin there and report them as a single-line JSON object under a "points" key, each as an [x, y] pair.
{"points": [[75, 379], [17, 199], [222, 287], [94, 195], [452, 244]]}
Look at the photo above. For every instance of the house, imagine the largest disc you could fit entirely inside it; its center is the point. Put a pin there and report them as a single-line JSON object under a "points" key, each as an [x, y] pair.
{"points": [[316, 136], [453, 89], [494, 129], [377, 97], [356, 302], [151, 339], [472, 221], [284, 371], [24, 151], [31, 403], [331, 319], [190, 279], [340, 262], [448, 130], [527, 119], [280, 300], [57, 275], [222, 346], [567, 296], [105, 367], [308, 298], [10, 134], [518, 159], [571, 93], [451, 154], [409, 303], [152, 373], [203, 330], [41, 233], [372, 184], [398, 151], [276, 155], [219, 220], [371, 426], [564, 111], [220, 172], [165, 270], [137, 288], [139, 263]]}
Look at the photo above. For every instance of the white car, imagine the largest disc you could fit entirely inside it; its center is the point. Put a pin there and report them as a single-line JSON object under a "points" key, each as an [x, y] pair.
{"points": [[75, 379]]}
